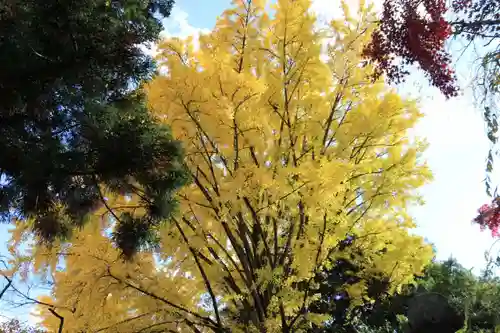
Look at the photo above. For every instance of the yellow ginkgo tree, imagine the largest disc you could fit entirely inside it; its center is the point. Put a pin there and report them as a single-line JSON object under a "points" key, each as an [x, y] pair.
{"points": [[292, 150]]}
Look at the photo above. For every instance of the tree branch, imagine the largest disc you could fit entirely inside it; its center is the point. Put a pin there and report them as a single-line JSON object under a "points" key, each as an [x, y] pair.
{"points": [[206, 320], [61, 319], [202, 272], [9, 283]]}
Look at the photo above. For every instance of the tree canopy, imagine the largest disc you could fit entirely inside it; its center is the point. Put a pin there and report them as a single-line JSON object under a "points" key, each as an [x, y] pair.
{"points": [[416, 31], [297, 163], [447, 298], [71, 122]]}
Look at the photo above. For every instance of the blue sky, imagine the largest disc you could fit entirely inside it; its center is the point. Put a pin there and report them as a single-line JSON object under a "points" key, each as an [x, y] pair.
{"points": [[457, 151]]}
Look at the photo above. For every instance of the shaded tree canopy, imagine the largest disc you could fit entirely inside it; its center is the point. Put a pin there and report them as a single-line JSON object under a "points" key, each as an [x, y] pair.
{"points": [[70, 120], [443, 300]]}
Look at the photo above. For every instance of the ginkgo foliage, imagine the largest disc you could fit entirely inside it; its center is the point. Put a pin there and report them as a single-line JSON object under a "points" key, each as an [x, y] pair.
{"points": [[292, 150]]}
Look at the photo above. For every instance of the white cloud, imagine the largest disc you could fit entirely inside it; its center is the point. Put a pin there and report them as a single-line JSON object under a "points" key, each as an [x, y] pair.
{"points": [[177, 25], [34, 320], [458, 146]]}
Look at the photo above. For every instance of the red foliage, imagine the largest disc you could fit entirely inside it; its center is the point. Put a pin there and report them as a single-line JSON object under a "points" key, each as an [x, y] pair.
{"points": [[489, 217], [414, 31]]}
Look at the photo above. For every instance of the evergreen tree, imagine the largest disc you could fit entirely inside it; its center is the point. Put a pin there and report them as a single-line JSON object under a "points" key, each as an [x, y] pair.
{"points": [[71, 122]]}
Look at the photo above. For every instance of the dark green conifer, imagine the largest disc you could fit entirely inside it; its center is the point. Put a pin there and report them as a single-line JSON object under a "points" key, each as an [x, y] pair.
{"points": [[71, 119]]}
